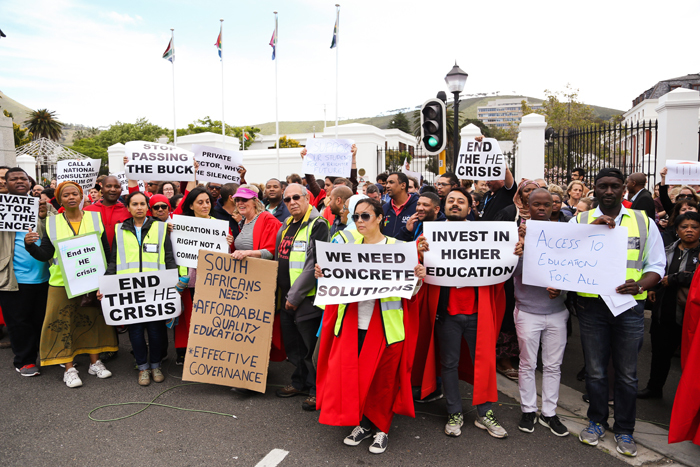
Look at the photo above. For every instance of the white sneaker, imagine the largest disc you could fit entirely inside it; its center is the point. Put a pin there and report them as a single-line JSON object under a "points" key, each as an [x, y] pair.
{"points": [[72, 379], [98, 369]]}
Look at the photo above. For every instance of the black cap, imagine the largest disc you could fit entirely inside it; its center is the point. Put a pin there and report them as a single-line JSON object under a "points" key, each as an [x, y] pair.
{"points": [[610, 172]]}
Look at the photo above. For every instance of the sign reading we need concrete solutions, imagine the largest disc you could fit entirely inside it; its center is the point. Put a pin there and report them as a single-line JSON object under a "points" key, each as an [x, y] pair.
{"points": [[140, 297], [481, 160], [156, 161], [19, 213]]}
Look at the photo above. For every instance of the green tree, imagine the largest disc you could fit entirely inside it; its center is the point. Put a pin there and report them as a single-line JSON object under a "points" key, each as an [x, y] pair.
{"points": [[563, 110], [91, 148], [22, 135], [400, 122], [485, 129], [206, 124], [142, 130], [43, 124], [85, 133]]}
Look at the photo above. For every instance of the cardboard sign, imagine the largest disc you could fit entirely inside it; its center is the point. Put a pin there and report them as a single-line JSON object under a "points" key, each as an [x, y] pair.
{"points": [[19, 213], [82, 263], [470, 254], [191, 234], [217, 165], [575, 257], [328, 157], [481, 160], [231, 325], [156, 161], [353, 273], [124, 182], [682, 172], [140, 297], [84, 172]]}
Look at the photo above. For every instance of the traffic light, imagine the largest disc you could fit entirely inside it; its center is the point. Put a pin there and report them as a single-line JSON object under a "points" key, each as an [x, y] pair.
{"points": [[433, 130]]}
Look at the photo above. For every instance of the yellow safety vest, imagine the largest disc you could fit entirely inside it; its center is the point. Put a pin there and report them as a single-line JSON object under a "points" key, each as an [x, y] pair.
{"points": [[391, 307], [350, 236], [297, 259], [58, 229], [636, 240], [132, 257]]}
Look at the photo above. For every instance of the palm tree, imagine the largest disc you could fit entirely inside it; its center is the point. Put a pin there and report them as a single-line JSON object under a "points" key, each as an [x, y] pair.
{"points": [[43, 124]]}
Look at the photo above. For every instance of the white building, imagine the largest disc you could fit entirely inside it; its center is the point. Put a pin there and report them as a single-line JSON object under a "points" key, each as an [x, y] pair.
{"points": [[501, 113]]}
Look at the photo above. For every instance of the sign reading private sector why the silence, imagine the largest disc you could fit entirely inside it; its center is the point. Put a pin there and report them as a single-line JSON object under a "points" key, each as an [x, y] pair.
{"points": [[470, 254], [328, 157], [231, 325], [140, 297], [19, 213], [682, 172], [353, 273], [84, 172], [481, 160], [217, 165], [82, 263], [191, 234], [575, 257], [156, 161]]}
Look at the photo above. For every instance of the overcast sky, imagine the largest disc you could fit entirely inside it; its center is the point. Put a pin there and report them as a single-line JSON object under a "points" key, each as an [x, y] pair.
{"points": [[98, 62]]}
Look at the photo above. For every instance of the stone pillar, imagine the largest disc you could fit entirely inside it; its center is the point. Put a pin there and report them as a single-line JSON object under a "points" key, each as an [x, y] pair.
{"points": [[678, 126], [529, 157], [470, 131], [116, 158], [7, 143], [28, 164]]}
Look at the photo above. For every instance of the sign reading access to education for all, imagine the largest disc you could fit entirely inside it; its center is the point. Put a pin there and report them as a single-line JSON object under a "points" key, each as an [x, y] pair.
{"points": [[231, 325], [84, 172], [481, 160], [328, 157], [140, 297], [682, 172], [575, 257], [124, 182], [217, 165], [353, 273], [157, 161], [191, 234], [19, 213], [82, 263], [470, 254]]}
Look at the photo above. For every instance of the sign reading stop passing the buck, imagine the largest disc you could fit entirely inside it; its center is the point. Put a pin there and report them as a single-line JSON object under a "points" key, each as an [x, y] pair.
{"points": [[156, 161]]}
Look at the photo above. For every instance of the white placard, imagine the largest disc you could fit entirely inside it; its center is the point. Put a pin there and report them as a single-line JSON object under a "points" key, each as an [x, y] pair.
{"points": [[682, 172], [156, 161], [191, 234], [124, 182], [470, 254], [575, 257], [217, 165], [328, 157], [82, 262], [481, 160], [84, 172], [140, 297], [19, 213], [353, 273]]}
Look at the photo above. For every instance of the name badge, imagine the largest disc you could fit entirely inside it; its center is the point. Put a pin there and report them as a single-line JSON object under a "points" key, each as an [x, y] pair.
{"points": [[150, 248], [299, 246]]}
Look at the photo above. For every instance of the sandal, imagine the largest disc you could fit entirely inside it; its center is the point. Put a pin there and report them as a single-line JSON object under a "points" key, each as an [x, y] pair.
{"points": [[510, 373]]}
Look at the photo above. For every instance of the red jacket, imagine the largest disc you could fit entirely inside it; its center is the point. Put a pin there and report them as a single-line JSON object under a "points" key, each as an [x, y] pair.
{"points": [[264, 233], [111, 216]]}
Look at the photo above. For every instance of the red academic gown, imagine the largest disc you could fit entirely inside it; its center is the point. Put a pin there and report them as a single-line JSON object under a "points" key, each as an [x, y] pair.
{"points": [[685, 418], [111, 216]]}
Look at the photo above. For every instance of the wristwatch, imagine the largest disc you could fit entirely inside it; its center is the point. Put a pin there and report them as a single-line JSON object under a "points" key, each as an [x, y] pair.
{"points": [[640, 289]]}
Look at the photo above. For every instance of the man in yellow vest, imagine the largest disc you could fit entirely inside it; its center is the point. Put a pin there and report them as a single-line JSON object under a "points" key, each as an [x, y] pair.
{"points": [[604, 335], [296, 288]]}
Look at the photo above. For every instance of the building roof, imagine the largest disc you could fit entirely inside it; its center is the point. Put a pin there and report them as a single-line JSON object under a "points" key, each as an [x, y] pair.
{"points": [[47, 151], [690, 81]]}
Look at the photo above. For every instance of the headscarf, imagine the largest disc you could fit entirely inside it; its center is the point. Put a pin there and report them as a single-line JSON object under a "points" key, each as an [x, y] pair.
{"points": [[62, 186], [524, 211], [155, 199], [354, 199]]}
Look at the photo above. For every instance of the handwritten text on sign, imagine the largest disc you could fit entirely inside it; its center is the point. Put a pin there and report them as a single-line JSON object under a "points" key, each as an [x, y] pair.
{"points": [[353, 273], [470, 254], [84, 172], [575, 257], [217, 165], [481, 160], [18, 213], [82, 263], [231, 324], [191, 234], [682, 172], [328, 157], [140, 297], [155, 161]]}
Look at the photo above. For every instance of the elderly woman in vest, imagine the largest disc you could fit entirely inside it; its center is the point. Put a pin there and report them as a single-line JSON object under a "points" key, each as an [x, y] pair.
{"points": [[366, 352], [70, 328]]}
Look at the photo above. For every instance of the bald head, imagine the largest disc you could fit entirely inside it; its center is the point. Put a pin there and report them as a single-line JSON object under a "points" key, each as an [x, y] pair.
{"points": [[636, 182], [339, 195]]}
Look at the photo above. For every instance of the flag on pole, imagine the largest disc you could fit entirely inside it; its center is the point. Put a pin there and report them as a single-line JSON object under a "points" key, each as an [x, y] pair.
{"points": [[273, 41], [218, 40], [245, 136], [334, 42], [169, 53]]}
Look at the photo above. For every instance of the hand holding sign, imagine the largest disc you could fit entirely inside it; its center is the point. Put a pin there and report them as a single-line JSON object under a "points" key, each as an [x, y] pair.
{"points": [[481, 159], [156, 161], [682, 172]]}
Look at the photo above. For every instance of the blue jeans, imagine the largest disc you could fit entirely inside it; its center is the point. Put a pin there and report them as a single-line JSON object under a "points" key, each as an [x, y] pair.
{"points": [[603, 335], [156, 335]]}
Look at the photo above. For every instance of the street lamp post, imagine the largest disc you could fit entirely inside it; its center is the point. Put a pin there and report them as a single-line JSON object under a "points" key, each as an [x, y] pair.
{"points": [[456, 79]]}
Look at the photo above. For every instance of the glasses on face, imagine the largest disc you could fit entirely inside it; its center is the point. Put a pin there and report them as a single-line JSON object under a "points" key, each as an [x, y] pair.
{"points": [[217, 188], [442, 184], [152, 184], [365, 216], [288, 199], [160, 207], [683, 196], [240, 200]]}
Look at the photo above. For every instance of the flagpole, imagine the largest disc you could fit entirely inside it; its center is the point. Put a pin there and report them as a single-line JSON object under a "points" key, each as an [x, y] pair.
{"points": [[223, 121], [337, 48], [277, 121], [172, 40]]}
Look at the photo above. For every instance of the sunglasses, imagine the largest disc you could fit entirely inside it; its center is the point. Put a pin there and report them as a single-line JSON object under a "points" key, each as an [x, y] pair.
{"points": [[288, 199], [365, 216], [160, 207], [684, 197]]}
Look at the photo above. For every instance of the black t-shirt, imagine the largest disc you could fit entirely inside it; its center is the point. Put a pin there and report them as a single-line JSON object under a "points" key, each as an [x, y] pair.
{"points": [[493, 203], [283, 281]]}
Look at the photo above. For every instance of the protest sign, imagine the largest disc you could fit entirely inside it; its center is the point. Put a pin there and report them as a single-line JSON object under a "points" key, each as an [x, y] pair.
{"points": [[191, 234], [84, 172], [328, 157], [470, 254], [353, 273], [481, 160], [217, 165], [231, 325], [82, 263], [156, 161], [140, 297], [124, 182], [19, 213], [575, 257], [682, 172], [406, 168]]}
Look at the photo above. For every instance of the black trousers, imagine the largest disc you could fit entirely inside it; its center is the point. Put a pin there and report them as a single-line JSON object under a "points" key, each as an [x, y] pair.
{"points": [[665, 339], [24, 312], [299, 343]]}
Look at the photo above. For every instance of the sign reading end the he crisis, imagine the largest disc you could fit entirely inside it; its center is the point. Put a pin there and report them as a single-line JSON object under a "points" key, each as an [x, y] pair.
{"points": [[231, 325], [481, 160]]}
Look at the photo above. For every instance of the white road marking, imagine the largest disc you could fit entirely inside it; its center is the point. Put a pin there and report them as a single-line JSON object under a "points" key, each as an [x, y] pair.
{"points": [[273, 458]]}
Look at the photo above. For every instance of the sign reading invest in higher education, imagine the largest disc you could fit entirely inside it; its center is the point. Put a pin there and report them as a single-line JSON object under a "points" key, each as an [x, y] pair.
{"points": [[481, 160], [82, 263], [19, 213], [157, 161], [191, 234]]}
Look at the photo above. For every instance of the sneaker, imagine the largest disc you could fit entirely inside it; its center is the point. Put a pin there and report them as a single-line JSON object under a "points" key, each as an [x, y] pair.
{"points": [[28, 370], [626, 445], [489, 423], [63, 365], [454, 424], [554, 424], [180, 360], [98, 369], [158, 376], [144, 377], [71, 378], [432, 397], [527, 422], [289, 391], [381, 441], [592, 434], [309, 404], [357, 436]]}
